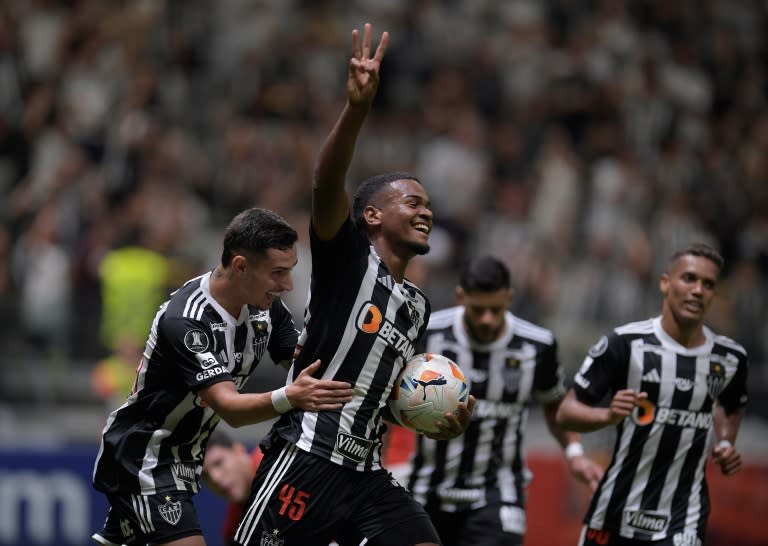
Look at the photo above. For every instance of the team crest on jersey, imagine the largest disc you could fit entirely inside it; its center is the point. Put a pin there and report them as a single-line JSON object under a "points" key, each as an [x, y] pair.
{"points": [[715, 379], [196, 340], [271, 539], [170, 511], [260, 338], [599, 348], [512, 375]]}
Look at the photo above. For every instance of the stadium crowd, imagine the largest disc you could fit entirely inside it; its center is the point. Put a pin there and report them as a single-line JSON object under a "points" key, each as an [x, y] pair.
{"points": [[581, 141]]}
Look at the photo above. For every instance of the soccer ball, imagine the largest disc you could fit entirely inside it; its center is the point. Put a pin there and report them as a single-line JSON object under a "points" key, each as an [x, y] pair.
{"points": [[428, 387]]}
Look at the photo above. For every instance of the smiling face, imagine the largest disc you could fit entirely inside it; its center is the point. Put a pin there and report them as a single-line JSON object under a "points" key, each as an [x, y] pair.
{"points": [[403, 216], [689, 288], [261, 279]]}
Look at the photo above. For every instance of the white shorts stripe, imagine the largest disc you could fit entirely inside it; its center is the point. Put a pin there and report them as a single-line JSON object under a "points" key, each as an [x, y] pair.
{"points": [[141, 509], [256, 509]]}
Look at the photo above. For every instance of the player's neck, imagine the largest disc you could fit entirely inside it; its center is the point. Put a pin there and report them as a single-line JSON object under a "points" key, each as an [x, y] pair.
{"points": [[688, 335], [395, 263], [221, 289]]}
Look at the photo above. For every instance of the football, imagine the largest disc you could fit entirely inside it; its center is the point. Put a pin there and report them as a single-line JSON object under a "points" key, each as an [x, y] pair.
{"points": [[428, 386]]}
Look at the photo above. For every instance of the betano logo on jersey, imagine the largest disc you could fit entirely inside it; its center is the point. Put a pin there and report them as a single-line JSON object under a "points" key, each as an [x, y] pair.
{"points": [[646, 413], [371, 321]]}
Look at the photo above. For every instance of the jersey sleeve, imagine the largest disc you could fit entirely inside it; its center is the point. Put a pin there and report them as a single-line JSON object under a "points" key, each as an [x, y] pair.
{"points": [[603, 371], [332, 256], [548, 379], [734, 396], [190, 343], [282, 342]]}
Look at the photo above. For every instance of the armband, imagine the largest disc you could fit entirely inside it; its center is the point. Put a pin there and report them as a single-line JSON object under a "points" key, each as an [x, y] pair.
{"points": [[574, 449], [280, 401]]}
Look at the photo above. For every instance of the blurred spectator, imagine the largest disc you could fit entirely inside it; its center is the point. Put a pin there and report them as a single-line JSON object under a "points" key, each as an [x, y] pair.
{"points": [[565, 137]]}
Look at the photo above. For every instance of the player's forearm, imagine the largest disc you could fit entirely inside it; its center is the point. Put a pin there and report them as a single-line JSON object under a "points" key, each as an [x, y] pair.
{"points": [[339, 147], [726, 425], [247, 409], [578, 417], [563, 437]]}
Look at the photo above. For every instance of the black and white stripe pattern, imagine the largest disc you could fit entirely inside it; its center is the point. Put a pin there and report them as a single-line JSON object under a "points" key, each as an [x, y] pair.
{"points": [[154, 443], [486, 464], [654, 486], [249, 521], [141, 508], [363, 326]]}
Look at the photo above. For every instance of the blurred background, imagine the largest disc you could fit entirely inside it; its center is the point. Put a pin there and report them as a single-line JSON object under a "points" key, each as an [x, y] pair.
{"points": [[581, 141]]}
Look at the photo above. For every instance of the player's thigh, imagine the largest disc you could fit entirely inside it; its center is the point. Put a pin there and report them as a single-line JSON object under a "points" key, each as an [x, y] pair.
{"points": [[448, 525], [156, 520], [498, 524], [385, 513], [297, 499]]}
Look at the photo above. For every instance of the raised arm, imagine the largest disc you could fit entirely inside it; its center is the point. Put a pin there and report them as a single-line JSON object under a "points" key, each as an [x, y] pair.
{"points": [[330, 204]]}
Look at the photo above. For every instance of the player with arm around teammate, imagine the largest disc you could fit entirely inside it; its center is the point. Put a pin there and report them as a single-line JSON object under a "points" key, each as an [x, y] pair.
{"points": [[321, 476], [204, 343], [677, 393], [474, 486]]}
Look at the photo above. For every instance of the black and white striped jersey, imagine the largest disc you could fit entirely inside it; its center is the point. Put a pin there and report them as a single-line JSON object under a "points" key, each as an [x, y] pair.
{"points": [[487, 463], [363, 326], [154, 443], [655, 486]]}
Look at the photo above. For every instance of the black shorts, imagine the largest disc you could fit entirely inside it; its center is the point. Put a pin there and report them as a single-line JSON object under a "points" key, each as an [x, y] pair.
{"points": [[301, 499], [139, 520], [497, 524], [597, 537]]}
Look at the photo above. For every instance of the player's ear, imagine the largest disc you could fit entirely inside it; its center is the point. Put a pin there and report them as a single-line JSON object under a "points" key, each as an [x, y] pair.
{"points": [[510, 295], [239, 263], [459, 292], [372, 215], [664, 283]]}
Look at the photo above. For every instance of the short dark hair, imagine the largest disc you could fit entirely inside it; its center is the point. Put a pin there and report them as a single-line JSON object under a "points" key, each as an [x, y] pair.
{"points": [[702, 250], [220, 438], [255, 231], [370, 187], [485, 274]]}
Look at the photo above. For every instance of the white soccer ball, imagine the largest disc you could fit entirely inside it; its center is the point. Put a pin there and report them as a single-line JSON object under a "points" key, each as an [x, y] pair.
{"points": [[429, 386]]}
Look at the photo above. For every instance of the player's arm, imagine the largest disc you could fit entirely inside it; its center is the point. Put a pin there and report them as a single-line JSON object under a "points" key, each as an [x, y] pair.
{"points": [[578, 416], [307, 393], [330, 205], [581, 466], [724, 452]]}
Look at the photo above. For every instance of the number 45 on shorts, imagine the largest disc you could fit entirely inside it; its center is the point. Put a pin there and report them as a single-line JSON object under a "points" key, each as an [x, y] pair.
{"points": [[294, 502]]}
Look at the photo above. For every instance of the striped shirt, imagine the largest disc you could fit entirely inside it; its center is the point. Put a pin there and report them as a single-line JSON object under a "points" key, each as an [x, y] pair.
{"points": [[654, 486], [363, 326], [155, 442], [486, 464]]}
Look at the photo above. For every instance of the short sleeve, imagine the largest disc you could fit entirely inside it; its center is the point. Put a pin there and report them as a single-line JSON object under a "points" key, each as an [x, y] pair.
{"points": [[548, 377], [191, 345], [603, 371], [282, 342], [734, 396]]}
